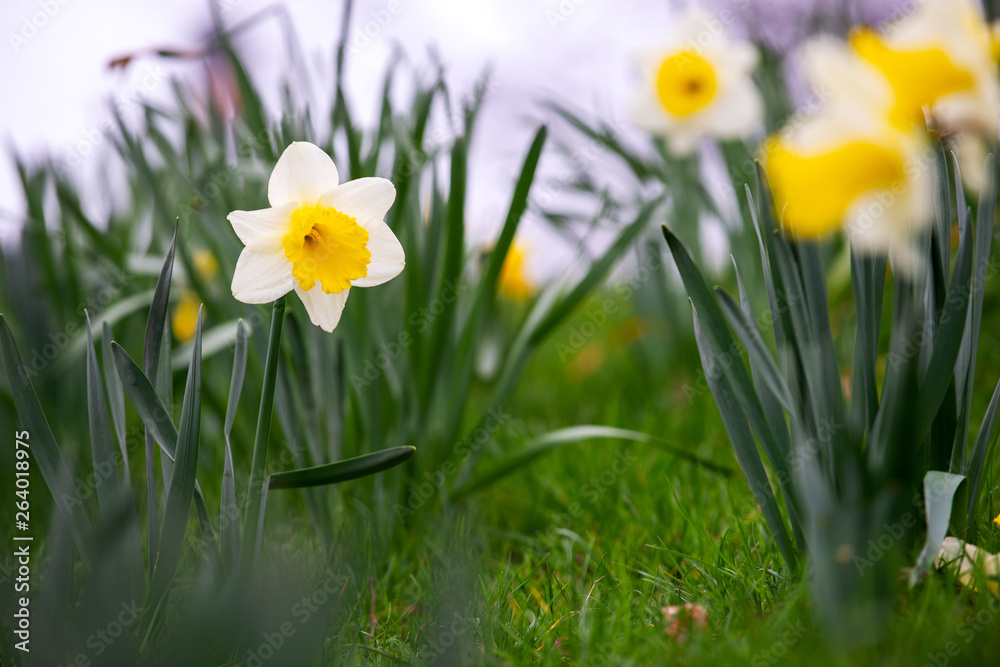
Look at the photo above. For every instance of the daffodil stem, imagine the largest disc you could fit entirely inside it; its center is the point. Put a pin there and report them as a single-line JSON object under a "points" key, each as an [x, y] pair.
{"points": [[251, 513]]}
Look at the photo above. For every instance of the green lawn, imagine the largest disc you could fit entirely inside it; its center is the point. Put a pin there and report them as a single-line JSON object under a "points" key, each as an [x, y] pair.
{"points": [[572, 559]]}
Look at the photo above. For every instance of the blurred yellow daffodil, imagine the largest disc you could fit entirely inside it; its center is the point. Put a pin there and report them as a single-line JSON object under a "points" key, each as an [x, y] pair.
{"points": [[697, 84], [847, 165], [205, 264], [514, 281], [318, 238], [184, 320], [940, 59]]}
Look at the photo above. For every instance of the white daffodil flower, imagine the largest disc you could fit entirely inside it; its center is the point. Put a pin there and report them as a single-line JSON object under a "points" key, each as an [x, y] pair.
{"points": [[318, 238], [698, 84], [938, 59], [847, 166]]}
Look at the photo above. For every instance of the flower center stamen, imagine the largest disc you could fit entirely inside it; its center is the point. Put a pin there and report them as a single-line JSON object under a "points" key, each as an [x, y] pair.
{"points": [[328, 247], [685, 83]]}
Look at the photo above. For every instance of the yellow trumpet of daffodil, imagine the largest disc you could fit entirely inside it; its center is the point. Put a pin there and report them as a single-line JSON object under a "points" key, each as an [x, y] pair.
{"points": [[184, 321], [938, 60], [848, 165], [514, 281]]}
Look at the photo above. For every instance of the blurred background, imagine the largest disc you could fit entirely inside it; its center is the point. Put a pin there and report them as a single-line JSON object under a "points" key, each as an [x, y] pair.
{"points": [[533, 50], [58, 60]]}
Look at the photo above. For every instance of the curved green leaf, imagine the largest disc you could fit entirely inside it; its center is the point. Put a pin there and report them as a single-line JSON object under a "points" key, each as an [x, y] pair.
{"points": [[572, 436], [44, 450], [939, 491]]}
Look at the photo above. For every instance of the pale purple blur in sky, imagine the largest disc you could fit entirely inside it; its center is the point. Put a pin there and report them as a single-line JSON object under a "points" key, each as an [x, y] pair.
{"points": [[57, 86]]}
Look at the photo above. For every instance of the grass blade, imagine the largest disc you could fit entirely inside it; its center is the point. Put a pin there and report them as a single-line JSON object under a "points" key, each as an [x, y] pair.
{"points": [[259, 459], [966, 365], [760, 359], [182, 481], [984, 443], [44, 450], [116, 394], [116, 399], [157, 420], [150, 359], [572, 436], [229, 514], [948, 340], [452, 267], [106, 481], [598, 271], [722, 341], [741, 439]]}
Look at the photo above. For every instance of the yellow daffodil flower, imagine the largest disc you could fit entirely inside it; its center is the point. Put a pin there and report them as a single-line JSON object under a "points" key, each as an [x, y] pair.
{"points": [[184, 320], [698, 84], [205, 264], [514, 281], [318, 238], [847, 165], [939, 59]]}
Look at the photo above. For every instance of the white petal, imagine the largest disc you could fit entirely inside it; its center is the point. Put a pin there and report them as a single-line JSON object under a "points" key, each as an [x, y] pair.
{"points": [[696, 25], [262, 231], [324, 309], [843, 81], [742, 57], [303, 173], [387, 255], [736, 113], [365, 199], [649, 114], [261, 278]]}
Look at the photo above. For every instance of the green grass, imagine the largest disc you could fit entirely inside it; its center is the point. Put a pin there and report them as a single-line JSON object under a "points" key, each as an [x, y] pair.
{"points": [[572, 559]]}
